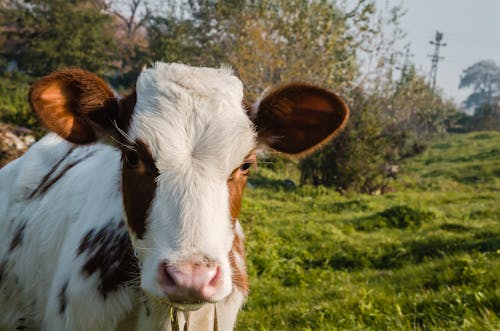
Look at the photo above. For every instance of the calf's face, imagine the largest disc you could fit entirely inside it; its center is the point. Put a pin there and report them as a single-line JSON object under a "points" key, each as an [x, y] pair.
{"points": [[187, 134], [187, 143]]}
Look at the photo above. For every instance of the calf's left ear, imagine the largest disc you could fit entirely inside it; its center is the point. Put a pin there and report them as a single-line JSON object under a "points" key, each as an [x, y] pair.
{"points": [[76, 104], [296, 119]]}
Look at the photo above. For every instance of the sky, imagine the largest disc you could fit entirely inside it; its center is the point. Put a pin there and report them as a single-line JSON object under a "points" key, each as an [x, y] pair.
{"points": [[471, 31]]}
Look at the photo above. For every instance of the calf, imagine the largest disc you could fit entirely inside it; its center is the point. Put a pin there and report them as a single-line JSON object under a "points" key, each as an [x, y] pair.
{"points": [[127, 217]]}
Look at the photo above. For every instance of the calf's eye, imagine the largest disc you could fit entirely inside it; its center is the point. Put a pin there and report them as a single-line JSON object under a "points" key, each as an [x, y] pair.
{"points": [[245, 166], [132, 158]]}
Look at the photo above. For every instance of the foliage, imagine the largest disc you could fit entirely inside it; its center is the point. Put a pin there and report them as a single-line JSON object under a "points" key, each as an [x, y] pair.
{"points": [[402, 216], [267, 42], [45, 35], [416, 109], [423, 258], [354, 160], [285, 41], [172, 40], [130, 35], [14, 107], [484, 78], [385, 127], [486, 117]]}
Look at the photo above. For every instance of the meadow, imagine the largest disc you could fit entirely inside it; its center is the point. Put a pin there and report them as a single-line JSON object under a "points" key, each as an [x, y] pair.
{"points": [[423, 257]]}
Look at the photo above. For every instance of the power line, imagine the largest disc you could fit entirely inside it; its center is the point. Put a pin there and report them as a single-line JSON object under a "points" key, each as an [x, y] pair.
{"points": [[435, 58]]}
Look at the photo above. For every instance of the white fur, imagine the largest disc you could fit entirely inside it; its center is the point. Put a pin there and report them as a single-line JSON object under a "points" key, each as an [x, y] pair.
{"points": [[198, 133], [87, 196], [194, 124]]}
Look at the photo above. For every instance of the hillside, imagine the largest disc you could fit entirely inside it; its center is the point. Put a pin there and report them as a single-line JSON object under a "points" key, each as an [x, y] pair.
{"points": [[425, 257]]}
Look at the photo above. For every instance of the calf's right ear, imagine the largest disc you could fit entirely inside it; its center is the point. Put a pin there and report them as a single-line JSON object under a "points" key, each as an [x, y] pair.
{"points": [[76, 104]]}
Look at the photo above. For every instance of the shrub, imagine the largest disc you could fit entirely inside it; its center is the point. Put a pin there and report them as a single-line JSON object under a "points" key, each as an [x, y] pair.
{"points": [[356, 160], [400, 217], [14, 106], [403, 216]]}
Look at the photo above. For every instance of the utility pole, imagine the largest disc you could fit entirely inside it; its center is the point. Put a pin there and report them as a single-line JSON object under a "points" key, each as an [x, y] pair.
{"points": [[435, 58]]}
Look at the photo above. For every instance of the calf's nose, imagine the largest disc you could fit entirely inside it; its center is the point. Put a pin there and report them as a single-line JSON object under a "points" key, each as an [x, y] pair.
{"points": [[189, 282]]}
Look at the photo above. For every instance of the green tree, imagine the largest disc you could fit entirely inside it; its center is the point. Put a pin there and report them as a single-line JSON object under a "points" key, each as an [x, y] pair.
{"points": [[417, 112], [173, 40], [396, 120], [14, 107], [356, 159], [130, 18], [284, 41], [197, 32], [267, 42], [48, 34], [484, 78]]}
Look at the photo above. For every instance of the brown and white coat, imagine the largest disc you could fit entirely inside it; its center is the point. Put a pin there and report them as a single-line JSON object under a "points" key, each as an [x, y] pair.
{"points": [[131, 207]]}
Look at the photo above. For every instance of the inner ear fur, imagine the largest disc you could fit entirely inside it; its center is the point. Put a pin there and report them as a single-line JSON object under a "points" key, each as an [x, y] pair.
{"points": [[76, 104], [298, 118]]}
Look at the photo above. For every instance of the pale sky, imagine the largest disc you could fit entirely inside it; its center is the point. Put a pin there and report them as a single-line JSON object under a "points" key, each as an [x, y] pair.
{"points": [[471, 31]]}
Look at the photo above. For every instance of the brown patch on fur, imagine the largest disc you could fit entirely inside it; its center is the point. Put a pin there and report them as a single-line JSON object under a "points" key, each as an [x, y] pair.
{"points": [[62, 298], [139, 180], [50, 172], [18, 237], [297, 118], [109, 251], [236, 185], [138, 186], [239, 276], [73, 102], [63, 172], [127, 105], [3, 267], [48, 182]]}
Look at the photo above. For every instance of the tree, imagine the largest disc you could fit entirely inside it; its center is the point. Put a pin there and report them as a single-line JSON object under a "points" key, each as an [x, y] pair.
{"points": [[387, 124], [417, 110], [284, 41], [356, 159], [45, 35], [174, 40], [484, 78], [130, 18], [268, 42]]}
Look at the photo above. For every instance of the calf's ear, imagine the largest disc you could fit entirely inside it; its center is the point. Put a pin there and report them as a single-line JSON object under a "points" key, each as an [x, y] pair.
{"points": [[76, 104], [296, 119]]}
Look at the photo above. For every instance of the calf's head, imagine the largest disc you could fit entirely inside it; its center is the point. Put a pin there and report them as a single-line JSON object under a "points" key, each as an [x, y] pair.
{"points": [[187, 142]]}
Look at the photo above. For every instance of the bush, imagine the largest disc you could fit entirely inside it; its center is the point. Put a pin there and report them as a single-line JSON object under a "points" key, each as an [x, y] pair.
{"points": [[14, 106], [385, 127], [357, 159], [400, 217], [403, 216]]}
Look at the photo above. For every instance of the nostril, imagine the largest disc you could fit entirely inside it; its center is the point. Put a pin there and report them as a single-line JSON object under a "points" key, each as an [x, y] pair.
{"points": [[216, 276], [166, 278]]}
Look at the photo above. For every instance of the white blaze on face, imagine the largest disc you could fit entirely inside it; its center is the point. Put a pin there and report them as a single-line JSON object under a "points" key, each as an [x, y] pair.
{"points": [[197, 131]]}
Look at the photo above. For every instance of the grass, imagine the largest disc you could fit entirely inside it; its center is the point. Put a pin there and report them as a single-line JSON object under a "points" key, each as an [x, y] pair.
{"points": [[424, 257]]}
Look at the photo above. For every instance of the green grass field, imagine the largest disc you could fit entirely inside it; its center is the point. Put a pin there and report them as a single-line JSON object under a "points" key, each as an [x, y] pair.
{"points": [[425, 257]]}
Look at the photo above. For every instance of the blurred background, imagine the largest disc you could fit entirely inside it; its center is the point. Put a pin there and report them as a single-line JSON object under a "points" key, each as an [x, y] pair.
{"points": [[393, 225]]}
